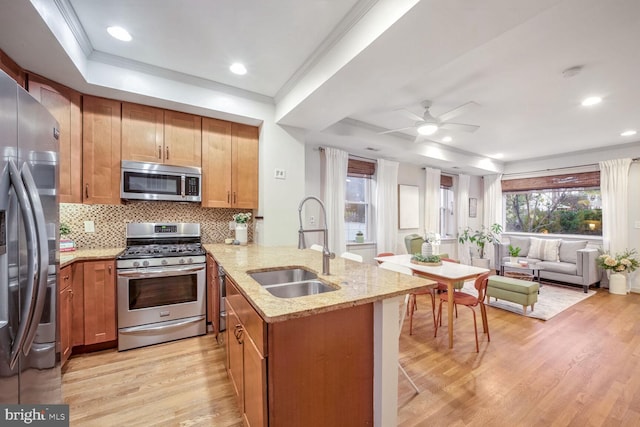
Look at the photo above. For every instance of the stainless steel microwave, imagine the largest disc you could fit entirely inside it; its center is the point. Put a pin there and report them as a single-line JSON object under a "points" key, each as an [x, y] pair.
{"points": [[155, 181]]}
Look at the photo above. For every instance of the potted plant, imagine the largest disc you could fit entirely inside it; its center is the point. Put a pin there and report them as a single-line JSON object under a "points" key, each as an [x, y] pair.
{"points": [[66, 244], [241, 220], [480, 238], [514, 253], [616, 266], [359, 237]]}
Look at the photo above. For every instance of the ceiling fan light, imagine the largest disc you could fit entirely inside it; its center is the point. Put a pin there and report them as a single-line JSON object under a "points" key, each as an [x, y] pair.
{"points": [[628, 133], [592, 100], [427, 129]]}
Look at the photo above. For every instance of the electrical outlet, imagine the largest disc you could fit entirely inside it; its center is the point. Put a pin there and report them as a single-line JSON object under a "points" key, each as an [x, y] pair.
{"points": [[232, 225], [89, 227], [312, 220], [280, 174]]}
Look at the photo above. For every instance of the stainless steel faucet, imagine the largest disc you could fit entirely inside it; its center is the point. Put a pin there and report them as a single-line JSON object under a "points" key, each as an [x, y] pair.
{"points": [[326, 254]]}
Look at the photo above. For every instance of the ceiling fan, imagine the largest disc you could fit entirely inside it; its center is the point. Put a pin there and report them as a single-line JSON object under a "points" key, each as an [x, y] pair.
{"points": [[428, 124]]}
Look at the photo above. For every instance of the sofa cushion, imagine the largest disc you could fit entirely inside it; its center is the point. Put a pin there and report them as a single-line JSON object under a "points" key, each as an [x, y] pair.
{"points": [[568, 250], [521, 242], [544, 249], [559, 267]]}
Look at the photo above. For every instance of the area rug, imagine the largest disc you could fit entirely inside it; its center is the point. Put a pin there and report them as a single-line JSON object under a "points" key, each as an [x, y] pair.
{"points": [[553, 299]]}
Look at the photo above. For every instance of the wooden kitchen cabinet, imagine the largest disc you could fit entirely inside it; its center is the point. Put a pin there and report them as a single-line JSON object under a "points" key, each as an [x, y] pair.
{"points": [[99, 301], [246, 361], [64, 104], [229, 165], [12, 69], [101, 145], [77, 326], [182, 139], [275, 367], [142, 133], [65, 313]]}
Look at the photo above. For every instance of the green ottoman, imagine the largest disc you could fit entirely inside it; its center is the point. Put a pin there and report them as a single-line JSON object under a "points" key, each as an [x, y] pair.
{"points": [[515, 290]]}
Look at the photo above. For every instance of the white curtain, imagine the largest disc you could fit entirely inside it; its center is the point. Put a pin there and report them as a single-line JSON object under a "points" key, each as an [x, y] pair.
{"points": [[386, 206], [614, 182], [432, 201], [334, 180], [492, 207], [462, 214]]}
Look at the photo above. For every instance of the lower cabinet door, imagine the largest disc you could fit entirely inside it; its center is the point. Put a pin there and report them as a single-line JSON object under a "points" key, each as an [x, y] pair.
{"points": [[255, 385], [234, 355]]}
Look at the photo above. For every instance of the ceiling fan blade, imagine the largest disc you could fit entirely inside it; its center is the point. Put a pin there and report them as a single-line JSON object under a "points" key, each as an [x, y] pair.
{"points": [[464, 108], [422, 138], [395, 130], [410, 114], [459, 126]]}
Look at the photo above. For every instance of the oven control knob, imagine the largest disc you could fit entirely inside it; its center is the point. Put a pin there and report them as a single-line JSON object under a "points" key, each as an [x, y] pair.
{"points": [[164, 262], [181, 260], [136, 263], [145, 263], [190, 261]]}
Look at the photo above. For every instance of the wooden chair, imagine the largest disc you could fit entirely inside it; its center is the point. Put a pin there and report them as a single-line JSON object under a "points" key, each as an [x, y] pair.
{"points": [[470, 301], [384, 254], [441, 287]]}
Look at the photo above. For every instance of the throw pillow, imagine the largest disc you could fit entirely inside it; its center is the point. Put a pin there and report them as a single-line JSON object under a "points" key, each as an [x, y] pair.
{"points": [[544, 249], [568, 250], [520, 242]]}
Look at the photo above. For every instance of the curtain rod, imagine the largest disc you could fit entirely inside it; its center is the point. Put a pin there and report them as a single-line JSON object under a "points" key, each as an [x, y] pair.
{"points": [[633, 160], [354, 155]]}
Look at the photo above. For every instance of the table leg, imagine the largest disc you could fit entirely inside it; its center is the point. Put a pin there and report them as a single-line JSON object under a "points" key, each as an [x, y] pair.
{"points": [[450, 311]]}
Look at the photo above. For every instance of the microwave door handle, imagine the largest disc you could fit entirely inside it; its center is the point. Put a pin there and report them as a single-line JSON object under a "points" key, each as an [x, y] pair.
{"points": [[32, 255], [43, 255]]}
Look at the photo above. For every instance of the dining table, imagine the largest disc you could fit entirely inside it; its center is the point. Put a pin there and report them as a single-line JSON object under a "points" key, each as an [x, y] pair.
{"points": [[447, 272]]}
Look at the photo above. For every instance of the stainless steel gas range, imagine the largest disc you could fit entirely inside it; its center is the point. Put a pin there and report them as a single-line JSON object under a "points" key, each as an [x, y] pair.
{"points": [[161, 284]]}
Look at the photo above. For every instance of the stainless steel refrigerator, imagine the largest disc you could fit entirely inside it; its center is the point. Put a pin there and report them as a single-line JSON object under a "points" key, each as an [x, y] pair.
{"points": [[29, 356]]}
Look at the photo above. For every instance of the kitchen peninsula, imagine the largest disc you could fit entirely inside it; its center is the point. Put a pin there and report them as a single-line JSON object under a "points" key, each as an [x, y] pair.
{"points": [[324, 359]]}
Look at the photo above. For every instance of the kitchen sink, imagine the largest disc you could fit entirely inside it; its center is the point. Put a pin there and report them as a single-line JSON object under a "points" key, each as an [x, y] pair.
{"points": [[285, 275], [291, 282], [299, 289]]}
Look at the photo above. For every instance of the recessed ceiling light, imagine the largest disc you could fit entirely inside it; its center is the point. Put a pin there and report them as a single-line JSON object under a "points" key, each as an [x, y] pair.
{"points": [[592, 100], [427, 129], [628, 133], [447, 139], [119, 33], [238, 68]]}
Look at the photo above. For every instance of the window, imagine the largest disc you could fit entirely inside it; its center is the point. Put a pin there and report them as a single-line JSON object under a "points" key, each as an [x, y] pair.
{"points": [[562, 204], [357, 208], [447, 222]]}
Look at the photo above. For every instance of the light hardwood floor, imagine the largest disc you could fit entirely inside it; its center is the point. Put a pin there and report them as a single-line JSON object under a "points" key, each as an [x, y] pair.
{"points": [[580, 368]]}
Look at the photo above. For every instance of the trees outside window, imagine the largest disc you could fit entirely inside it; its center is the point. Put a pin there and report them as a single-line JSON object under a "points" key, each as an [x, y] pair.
{"points": [[555, 211]]}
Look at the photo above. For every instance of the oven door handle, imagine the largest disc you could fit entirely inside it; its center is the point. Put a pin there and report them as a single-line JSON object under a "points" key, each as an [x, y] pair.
{"points": [[160, 273], [143, 329]]}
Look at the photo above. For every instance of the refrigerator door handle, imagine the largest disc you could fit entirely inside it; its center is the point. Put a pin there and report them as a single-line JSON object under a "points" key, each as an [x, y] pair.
{"points": [[43, 255], [32, 255]]}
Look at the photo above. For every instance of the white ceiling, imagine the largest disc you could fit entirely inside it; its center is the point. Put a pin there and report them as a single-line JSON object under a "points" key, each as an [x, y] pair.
{"points": [[342, 69]]}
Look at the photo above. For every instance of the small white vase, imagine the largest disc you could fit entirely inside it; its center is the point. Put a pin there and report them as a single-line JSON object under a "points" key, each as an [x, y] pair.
{"points": [[241, 233], [427, 249], [618, 283]]}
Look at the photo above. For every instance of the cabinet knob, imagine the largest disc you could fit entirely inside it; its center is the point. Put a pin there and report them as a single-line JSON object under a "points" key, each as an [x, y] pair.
{"points": [[238, 333], [159, 152], [235, 198], [86, 191], [109, 268], [167, 150], [228, 196]]}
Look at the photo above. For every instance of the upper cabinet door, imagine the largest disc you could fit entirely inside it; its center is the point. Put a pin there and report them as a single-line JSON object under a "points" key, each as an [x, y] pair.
{"points": [[142, 133], [182, 139], [12, 69], [101, 150], [244, 166], [64, 104], [216, 163]]}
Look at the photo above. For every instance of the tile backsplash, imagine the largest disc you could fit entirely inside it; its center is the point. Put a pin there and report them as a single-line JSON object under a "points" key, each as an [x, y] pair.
{"points": [[110, 221]]}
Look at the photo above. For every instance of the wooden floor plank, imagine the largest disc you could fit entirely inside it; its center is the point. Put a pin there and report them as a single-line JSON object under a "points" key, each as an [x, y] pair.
{"points": [[581, 367]]}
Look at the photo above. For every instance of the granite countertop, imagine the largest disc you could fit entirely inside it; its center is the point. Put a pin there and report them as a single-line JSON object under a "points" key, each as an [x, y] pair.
{"points": [[358, 283], [67, 258]]}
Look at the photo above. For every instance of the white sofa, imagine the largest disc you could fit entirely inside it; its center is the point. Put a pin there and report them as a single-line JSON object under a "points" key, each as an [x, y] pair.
{"points": [[564, 260]]}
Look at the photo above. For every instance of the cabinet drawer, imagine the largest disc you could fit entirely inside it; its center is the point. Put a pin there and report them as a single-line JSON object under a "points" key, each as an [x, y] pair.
{"points": [[248, 316]]}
